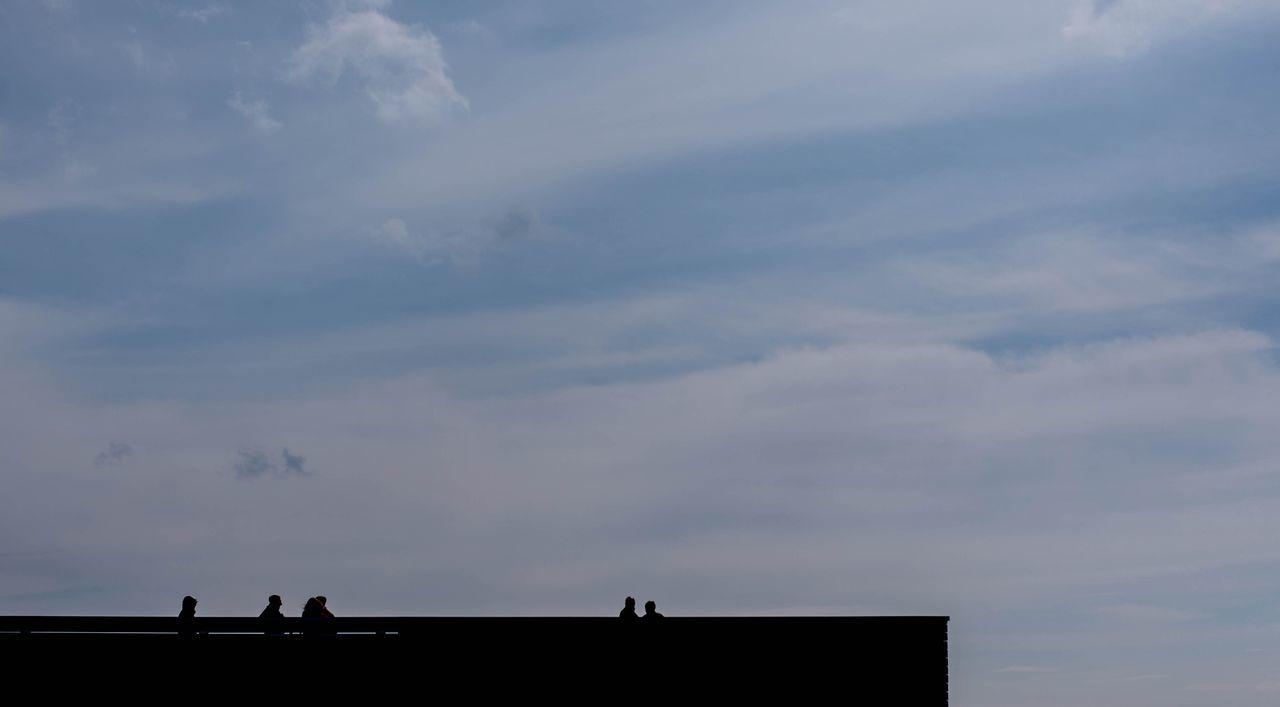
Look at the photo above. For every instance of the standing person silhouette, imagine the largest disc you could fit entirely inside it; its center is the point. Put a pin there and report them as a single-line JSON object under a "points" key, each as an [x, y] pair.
{"points": [[272, 613], [651, 610], [629, 610], [186, 617]]}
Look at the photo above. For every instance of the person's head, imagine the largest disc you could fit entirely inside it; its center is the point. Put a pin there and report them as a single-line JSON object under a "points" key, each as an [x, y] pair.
{"points": [[630, 603], [274, 600], [650, 607], [189, 603], [322, 601]]}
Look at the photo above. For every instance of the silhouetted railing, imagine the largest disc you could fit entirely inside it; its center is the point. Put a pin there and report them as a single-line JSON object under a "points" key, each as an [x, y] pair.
{"points": [[433, 625], [885, 660]]}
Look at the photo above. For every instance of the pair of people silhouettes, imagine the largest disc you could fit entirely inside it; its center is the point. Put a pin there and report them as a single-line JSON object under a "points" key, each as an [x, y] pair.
{"points": [[315, 611], [629, 610], [315, 608]]}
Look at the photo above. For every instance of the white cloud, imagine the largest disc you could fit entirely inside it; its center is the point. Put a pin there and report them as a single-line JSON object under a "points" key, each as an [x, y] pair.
{"points": [[400, 67], [874, 466], [148, 63], [426, 248], [1262, 242], [361, 5], [471, 29], [62, 7], [461, 247], [75, 169], [256, 112], [1123, 27], [204, 14], [62, 119], [1076, 271], [395, 233]]}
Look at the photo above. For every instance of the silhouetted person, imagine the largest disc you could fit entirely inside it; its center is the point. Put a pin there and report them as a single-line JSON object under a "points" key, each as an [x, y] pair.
{"points": [[274, 602], [272, 613], [186, 617], [316, 611], [312, 610], [629, 610], [651, 610]]}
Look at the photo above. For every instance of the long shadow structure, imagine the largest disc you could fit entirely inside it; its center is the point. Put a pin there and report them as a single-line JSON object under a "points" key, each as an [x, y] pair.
{"points": [[900, 660]]}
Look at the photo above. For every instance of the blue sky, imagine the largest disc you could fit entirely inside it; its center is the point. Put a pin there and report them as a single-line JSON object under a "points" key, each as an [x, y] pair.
{"points": [[748, 308]]}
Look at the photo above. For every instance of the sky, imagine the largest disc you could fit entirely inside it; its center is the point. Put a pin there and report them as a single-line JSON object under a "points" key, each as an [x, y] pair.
{"points": [[812, 307]]}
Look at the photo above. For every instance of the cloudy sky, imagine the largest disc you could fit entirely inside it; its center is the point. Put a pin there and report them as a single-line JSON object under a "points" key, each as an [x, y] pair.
{"points": [[865, 307]]}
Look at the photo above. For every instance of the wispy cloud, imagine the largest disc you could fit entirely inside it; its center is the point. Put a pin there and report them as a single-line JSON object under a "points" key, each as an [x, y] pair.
{"points": [[257, 463], [293, 463], [204, 14], [115, 453], [428, 248], [1101, 6], [62, 7], [471, 29], [256, 112], [518, 223], [253, 464], [459, 246], [1128, 27], [1146, 613], [400, 67], [148, 63], [62, 119]]}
